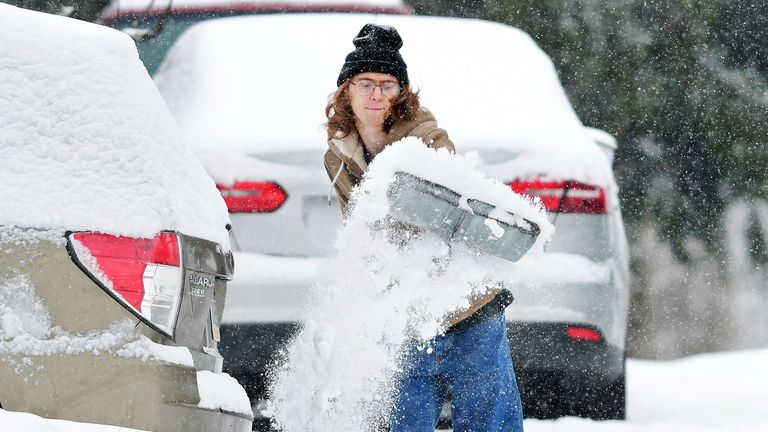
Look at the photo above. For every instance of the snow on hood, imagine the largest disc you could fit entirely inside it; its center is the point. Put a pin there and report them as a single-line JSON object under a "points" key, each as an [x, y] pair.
{"points": [[383, 292], [86, 140], [260, 84]]}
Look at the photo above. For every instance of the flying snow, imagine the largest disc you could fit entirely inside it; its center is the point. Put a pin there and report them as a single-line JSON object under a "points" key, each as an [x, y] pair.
{"points": [[388, 286]]}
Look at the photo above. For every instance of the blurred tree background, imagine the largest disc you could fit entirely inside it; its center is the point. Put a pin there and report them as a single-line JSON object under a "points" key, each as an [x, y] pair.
{"points": [[87, 10], [683, 86]]}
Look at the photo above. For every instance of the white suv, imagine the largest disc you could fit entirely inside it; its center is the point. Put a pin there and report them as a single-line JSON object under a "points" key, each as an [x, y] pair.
{"points": [[249, 95], [114, 252]]}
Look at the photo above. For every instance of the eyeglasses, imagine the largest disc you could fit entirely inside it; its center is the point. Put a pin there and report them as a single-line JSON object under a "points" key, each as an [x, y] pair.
{"points": [[364, 87]]}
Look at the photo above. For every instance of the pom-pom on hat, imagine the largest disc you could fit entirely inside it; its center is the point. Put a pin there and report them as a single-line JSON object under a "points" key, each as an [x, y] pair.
{"points": [[376, 50]]}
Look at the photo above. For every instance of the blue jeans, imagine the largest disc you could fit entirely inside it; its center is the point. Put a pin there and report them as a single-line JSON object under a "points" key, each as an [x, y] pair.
{"points": [[476, 367]]}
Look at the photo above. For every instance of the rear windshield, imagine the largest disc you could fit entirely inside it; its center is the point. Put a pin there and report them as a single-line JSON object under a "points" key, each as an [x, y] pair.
{"points": [[581, 234], [153, 51]]}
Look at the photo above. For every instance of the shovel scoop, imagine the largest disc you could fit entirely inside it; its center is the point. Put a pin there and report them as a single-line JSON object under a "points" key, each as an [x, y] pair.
{"points": [[478, 225]]}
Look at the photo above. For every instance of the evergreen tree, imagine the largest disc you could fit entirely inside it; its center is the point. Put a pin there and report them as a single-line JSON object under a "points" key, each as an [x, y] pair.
{"points": [[87, 10], [683, 85]]}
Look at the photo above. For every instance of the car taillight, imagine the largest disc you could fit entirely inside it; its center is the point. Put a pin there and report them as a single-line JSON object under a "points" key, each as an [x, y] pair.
{"points": [[578, 197], [583, 334], [143, 274], [253, 197]]}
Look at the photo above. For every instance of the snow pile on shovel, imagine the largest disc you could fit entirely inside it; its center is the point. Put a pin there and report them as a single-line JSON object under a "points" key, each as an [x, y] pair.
{"points": [[388, 285]]}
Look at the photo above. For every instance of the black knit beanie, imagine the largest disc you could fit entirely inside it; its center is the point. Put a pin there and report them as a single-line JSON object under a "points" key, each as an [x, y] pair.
{"points": [[376, 50]]}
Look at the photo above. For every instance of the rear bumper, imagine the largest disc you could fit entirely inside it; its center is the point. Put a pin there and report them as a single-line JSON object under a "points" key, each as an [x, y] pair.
{"points": [[112, 390], [542, 351], [538, 350]]}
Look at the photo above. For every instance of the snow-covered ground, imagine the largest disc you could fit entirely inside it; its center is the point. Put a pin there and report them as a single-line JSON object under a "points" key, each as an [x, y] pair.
{"points": [[709, 392], [23, 422], [704, 393]]}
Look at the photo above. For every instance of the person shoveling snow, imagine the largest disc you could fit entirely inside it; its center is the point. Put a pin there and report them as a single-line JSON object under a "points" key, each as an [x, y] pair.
{"points": [[411, 310]]}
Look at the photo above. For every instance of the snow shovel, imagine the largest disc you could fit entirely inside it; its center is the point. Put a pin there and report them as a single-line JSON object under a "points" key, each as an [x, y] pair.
{"points": [[438, 209]]}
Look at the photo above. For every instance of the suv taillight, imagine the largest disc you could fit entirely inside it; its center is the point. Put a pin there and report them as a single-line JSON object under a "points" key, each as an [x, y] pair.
{"points": [[576, 197], [583, 334], [253, 197], [143, 274]]}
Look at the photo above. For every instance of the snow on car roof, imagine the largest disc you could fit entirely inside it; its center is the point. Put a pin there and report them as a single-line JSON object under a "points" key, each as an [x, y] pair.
{"points": [[144, 4], [85, 138], [260, 84]]}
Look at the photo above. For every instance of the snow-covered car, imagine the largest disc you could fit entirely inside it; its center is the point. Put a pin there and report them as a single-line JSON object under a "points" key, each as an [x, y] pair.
{"points": [[256, 123], [114, 250], [156, 24]]}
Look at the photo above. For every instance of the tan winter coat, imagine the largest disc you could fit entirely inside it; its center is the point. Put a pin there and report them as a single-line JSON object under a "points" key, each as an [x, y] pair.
{"points": [[345, 164]]}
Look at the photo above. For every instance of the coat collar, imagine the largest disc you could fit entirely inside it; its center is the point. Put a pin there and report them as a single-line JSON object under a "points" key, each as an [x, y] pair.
{"points": [[350, 150], [350, 147]]}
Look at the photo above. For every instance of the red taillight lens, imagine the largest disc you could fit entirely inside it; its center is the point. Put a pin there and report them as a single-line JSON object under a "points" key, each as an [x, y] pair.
{"points": [[253, 197], [144, 274], [579, 197], [583, 334]]}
